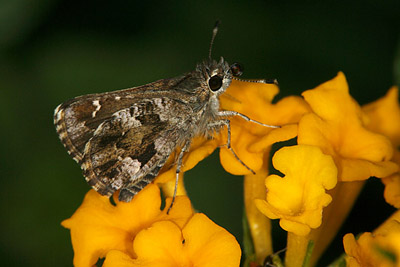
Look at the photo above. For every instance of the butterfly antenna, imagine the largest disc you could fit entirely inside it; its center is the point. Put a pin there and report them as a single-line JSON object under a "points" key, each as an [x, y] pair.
{"points": [[214, 33], [267, 81]]}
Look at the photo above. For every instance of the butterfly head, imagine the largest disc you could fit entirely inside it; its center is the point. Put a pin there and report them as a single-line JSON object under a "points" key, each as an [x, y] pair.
{"points": [[219, 75]]}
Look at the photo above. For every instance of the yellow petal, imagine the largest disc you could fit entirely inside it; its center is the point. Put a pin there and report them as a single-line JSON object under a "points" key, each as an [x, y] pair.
{"points": [[200, 243], [351, 249], [248, 97], [209, 244], [357, 169], [391, 224], [161, 243], [299, 197], [392, 190], [336, 126], [250, 141], [384, 115]]}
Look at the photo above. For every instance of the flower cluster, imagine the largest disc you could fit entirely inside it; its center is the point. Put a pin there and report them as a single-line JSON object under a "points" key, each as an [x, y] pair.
{"points": [[139, 233], [340, 144]]}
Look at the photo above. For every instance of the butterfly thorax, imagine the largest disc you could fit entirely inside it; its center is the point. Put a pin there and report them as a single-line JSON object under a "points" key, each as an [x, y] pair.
{"points": [[204, 100]]}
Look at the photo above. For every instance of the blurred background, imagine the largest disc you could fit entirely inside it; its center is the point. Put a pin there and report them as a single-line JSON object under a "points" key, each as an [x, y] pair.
{"points": [[51, 51]]}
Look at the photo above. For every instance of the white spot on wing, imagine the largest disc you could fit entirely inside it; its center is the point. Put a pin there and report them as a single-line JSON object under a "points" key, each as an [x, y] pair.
{"points": [[117, 183], [57, 109], [96, 103], [127, 120], [130, 166], [57, 113]]}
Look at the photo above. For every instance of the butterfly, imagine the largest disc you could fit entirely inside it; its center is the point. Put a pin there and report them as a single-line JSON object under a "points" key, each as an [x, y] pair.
{"points": [[122, 139]]}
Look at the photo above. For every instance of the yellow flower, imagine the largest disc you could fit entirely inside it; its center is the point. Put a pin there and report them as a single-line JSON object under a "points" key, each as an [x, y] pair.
{"points": [[337, 127], [392, 190], [252, 144], [384, 118], [199, 243], [342, 129], [380, 248], [97, 226], [299, 197]]}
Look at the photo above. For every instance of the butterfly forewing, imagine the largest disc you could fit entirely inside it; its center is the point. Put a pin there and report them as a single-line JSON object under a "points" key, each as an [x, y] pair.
{"points": [[122, 136], [77, 119]]}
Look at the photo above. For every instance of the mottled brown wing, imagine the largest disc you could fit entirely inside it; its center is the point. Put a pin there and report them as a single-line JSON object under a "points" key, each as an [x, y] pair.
{"points": [[127, 150], [135, 142], [77, 119]]}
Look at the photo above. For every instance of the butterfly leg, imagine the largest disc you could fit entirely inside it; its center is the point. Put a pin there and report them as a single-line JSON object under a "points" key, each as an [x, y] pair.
{"points": [[228, 145], [231, 113], [227, 123], [184, 149]]}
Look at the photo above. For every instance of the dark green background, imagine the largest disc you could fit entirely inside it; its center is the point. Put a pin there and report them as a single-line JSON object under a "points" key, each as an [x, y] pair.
{"points": [[51, 51]]}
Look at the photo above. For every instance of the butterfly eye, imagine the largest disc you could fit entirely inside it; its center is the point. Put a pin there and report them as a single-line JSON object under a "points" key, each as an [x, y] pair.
{"points": [[236, 69], [215, 82]]}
